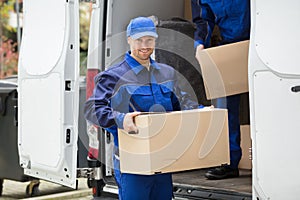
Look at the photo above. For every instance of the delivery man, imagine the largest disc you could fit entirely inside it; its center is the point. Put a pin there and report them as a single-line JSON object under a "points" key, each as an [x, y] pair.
{"points": [[137, 84], [233, 20]]}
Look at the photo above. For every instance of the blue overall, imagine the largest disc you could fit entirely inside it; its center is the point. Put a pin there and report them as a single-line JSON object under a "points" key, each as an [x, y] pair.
{"points": [[128, 87], [233, 19]]}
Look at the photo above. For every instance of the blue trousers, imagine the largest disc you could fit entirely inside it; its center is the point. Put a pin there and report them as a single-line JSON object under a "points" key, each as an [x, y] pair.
{"points": [[232, 103], [143, 187]]}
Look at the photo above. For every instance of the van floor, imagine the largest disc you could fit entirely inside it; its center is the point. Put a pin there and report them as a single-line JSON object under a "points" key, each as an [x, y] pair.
{"points": [[193, 181]]}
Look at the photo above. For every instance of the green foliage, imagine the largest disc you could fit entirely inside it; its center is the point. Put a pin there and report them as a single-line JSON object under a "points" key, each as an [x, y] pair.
{"points": [[83, 62], [8, 57], [5, 8], [8, 47], [84, 12], [84, 25]]}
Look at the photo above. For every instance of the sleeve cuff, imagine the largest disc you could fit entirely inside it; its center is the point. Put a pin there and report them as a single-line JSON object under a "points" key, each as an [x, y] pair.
{"points": [[200, 106], [119, 119], [198, 42]]}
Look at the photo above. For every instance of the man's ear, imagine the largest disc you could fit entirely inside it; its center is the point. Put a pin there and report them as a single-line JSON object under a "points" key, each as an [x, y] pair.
{"points": [[128, 40]]}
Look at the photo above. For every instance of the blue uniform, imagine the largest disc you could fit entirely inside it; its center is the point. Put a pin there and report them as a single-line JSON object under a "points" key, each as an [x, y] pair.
{"points": [[233, 19], [127, 87]]}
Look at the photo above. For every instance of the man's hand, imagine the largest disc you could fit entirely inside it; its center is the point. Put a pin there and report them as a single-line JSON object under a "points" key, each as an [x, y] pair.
{"points": [[208, 107], [129, 124], [199, 48]]}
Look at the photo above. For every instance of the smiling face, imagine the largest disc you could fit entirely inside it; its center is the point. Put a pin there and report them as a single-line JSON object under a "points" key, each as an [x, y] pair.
{"points": [[142, 48]]}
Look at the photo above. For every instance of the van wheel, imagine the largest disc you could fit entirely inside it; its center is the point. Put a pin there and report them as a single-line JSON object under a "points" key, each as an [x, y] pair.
{"points": [[97, 187]]}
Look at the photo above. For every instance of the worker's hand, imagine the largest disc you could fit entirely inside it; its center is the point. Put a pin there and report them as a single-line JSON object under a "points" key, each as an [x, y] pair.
{"points": [[199, 48], [129, 124], [208, 107]]}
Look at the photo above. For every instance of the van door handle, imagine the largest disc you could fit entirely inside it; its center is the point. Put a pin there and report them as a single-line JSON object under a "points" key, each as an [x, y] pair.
{"points": [[296, 88]]}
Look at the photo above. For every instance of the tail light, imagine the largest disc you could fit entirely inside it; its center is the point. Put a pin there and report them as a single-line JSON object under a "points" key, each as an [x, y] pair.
{"points": [[92, 130]]}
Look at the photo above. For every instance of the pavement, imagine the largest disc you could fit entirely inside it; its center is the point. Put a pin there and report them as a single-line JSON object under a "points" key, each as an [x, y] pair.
{"points": [[46, 190]]}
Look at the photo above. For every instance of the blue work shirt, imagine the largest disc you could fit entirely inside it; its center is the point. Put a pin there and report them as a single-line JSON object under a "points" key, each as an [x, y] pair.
{"points": [[232, 18], [128, 86]]}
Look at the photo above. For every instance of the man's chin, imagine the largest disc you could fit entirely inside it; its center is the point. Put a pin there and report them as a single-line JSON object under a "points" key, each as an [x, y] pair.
{"points": [[144, 57]]}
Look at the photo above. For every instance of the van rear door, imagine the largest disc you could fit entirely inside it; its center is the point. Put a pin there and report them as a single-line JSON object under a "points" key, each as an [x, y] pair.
{"points": [[274, 82], [48, 89]]}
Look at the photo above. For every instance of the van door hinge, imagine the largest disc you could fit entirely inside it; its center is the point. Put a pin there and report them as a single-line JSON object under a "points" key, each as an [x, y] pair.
{"points": [[90, 173]]}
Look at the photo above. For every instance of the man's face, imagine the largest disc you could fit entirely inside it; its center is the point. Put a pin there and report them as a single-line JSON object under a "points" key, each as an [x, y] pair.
{"points": [[142, 48]]}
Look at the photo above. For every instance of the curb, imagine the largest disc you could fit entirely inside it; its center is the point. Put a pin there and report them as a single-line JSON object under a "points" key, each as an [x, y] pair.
{"points": [[65, 195]]}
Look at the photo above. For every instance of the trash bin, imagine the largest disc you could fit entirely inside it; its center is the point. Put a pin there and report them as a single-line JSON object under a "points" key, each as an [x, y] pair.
{"points": [[9, 157]]}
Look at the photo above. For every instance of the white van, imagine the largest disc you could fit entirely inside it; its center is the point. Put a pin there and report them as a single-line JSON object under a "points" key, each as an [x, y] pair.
{"points": [[48, 88]]}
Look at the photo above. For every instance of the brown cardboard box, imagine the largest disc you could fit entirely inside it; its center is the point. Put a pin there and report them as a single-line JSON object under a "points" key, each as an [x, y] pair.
{"points": [[246, 144], [176, 141], [225, 69]]}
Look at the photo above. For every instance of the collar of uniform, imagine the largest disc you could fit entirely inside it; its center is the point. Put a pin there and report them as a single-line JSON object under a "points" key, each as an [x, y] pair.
{"points": [[136, 66]]}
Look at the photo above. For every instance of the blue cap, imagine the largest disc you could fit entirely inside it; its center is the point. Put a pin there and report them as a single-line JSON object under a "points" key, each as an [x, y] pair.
{"points": [[141, 26]]}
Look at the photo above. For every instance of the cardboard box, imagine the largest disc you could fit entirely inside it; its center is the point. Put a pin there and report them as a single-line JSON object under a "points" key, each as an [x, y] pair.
{"points": [[175, 141], [225, 69], [246, 145]]}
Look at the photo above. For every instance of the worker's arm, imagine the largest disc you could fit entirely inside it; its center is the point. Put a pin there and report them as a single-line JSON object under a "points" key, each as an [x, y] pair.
{"points": [[98, 108], [203, 18]]}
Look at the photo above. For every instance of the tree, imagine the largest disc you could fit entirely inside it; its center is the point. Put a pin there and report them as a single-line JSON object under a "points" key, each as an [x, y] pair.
{"points": [[8, 47]]}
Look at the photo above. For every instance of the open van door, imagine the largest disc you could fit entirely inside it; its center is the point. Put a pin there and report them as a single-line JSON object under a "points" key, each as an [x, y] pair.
{"points": [[48, 89], [274, 84]]}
